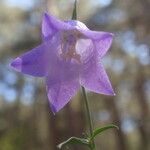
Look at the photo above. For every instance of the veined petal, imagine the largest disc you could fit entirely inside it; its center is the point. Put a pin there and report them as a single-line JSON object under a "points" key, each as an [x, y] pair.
{"points": [[38, 61], [62, 84], [95, 79], [33, 62], [77, 24], [84, 47], [55, 24], [103, 45], [48, 29], [95, 35], [101, 40]]}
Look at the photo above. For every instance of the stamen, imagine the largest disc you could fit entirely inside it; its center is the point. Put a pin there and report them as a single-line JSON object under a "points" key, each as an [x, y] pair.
{"points": [[68, 46]]}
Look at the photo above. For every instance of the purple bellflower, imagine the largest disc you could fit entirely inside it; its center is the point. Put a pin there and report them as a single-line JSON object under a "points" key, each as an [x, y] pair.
{"points": [[69, 56]]}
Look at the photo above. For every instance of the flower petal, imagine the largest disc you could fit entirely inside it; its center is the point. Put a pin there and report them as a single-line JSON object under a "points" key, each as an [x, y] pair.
{"points": [[77, 24], [48, 29], [38, 61], [52, 23], [96, 35], [103, 45], [32, 62], [101, 40], [84, 47], [62, 83], [95, 79]]}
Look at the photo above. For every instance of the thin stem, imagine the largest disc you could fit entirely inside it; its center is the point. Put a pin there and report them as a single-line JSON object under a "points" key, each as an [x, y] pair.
{"points": [[88, 110], [88, 116], [74, 17], [74, 13]]}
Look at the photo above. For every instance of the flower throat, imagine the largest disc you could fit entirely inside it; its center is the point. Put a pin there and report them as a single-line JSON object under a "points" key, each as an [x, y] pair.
{"points": [[68, 46]]}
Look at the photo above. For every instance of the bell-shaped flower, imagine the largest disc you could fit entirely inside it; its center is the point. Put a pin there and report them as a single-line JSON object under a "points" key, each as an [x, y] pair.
{"points": [[69, 56]]}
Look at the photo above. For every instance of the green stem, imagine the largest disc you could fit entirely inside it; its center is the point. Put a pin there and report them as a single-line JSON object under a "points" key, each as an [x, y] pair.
{"points": [[88, 116], [74, 17], [74, 13], [88, 110]]}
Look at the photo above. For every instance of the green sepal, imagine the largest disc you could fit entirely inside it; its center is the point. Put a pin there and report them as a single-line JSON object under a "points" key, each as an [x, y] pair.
{"points": [[74, 140], [100, 130]]}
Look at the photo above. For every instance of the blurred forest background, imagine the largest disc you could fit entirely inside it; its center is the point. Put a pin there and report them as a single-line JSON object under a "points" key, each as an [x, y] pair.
{"points": [[26, 121]]}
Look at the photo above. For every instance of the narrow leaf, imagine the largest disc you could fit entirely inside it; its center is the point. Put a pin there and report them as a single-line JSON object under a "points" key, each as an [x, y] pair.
{"points": [[74, 140], [99, 130]]}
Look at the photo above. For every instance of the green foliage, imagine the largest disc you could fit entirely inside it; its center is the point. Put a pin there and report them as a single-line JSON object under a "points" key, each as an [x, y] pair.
{"points": [[86, 141], [74, 140], [100, 130]]}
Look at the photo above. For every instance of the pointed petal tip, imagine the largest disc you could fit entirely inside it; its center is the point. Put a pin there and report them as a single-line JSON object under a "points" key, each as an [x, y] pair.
{"points": [[55, 109], [16, 64], [108, 93], [111, 93], [45, 13], [51, 106], [114, 94], [110, 35]]}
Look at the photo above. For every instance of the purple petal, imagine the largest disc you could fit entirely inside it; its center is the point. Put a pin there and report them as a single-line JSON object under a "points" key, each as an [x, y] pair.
{"points": [[96, 35], [77, 24], [39, 60], [84, 47], [32, 62], [54, 24], [48, 29], [62, 84], [101, 40], [103, 45], [95, 79]]}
